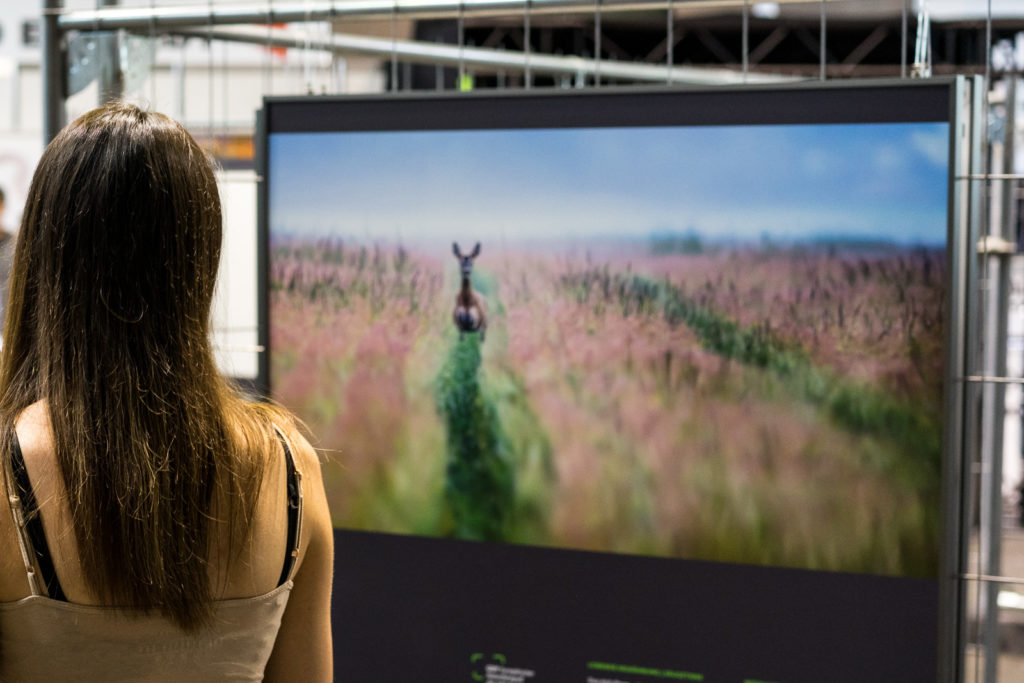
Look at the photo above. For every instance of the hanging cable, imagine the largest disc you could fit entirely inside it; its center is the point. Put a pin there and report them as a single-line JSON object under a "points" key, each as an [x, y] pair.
{"points": [[527, 74], [96, 28], [597, 44], [394, 46], [670, 40], [746, 39], [268, 74], [152, 54], [307, 51], [328, 85], [991, 270], [332, 62], [988, 46], [903, 42], [461, 31], [822, 42]]}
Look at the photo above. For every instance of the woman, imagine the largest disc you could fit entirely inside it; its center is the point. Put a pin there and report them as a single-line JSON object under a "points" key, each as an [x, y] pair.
{"points": [[156, 530]]}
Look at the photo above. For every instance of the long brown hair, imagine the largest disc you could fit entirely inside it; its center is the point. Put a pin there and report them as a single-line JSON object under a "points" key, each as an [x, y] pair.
{"points": [[108, 321]]}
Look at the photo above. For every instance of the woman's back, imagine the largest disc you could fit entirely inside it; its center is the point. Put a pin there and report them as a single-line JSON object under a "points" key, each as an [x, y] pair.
{"points": [[256, 572], [162, 495], [46, 639]]}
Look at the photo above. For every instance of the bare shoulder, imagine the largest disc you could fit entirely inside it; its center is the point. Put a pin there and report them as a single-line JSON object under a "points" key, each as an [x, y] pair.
{"points": [[316, 515], [310, 465], [35, 434], [306, 458], [303, 647], [317, 532]]}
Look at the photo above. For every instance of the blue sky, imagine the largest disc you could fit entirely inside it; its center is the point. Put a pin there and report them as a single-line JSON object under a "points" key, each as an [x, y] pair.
{"points": [[732, 183]]}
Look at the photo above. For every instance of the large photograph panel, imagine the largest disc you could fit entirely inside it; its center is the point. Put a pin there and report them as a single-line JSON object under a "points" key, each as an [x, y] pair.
{"points": [[718, 343]]}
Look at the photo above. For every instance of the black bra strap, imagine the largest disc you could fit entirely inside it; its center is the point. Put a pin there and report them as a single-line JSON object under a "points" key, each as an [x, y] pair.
{"points": [[34, 523], [294, 512], [41, 549]]}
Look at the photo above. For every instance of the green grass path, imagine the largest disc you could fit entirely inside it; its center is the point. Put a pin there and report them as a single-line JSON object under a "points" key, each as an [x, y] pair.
{"points": [[499, 471]]}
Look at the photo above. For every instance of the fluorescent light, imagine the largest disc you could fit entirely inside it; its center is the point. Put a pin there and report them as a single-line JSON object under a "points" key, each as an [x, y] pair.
{"points": [[1010, 600], [765, 10]]}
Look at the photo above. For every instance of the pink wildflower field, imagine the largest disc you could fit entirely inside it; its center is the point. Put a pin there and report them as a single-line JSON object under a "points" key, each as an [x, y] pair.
{"points": [[755, 404]]}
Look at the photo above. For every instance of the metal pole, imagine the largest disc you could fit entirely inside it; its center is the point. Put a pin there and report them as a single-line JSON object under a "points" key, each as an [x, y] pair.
{"points": [[597, 44], [988, 46], [903, 42], [484, 59], [822, 41], [1009, 211], [1005, 229], [527, 71], [460, 30], [394, 55], [165, 18], [996, 294], [969, 274], [53, 70], [746, 36], [670, 41], [994, 423], [111, 78]]}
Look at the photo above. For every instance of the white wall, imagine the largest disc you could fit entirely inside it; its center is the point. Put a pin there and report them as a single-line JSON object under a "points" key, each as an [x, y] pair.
{"points": [[19, 153], [235, 302]]}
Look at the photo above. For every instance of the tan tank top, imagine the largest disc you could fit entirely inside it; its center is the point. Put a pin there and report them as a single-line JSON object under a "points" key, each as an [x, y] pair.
{"points": [[44, 639]]}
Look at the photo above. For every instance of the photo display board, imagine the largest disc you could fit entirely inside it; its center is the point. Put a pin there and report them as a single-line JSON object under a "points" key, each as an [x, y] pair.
{"points": [[624, 386]]}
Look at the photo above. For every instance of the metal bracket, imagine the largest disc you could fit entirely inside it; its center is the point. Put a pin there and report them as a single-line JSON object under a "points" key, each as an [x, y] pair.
{"points": [[85, 56], [993, 245], [89, 54], [922, 67], [137, 56]]}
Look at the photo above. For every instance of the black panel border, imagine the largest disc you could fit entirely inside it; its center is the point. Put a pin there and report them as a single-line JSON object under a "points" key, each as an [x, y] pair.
{"points": [[845, 102]]}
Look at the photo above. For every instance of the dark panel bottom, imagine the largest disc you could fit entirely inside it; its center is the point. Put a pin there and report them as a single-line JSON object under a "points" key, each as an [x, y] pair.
{"points": [[410, 609]]}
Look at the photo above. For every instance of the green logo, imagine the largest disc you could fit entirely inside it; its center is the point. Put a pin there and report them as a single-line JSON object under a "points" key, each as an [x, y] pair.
{"points": [[479, 660]]}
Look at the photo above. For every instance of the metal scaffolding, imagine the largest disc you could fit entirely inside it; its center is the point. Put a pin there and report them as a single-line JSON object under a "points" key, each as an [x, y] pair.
{"points": [[165, 18], [418, 52], [234, 24]]}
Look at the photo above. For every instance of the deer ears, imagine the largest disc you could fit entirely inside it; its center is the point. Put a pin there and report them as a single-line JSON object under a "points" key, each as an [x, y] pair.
{"points": [[458, 254]]}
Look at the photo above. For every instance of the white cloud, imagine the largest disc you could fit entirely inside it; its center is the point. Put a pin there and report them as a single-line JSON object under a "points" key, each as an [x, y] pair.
{"points": [[816, 162], [506, 219], [932, 145], [888, 158]]}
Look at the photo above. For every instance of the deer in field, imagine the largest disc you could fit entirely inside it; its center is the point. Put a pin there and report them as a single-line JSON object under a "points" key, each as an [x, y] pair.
{"points": [[469, 312]]}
